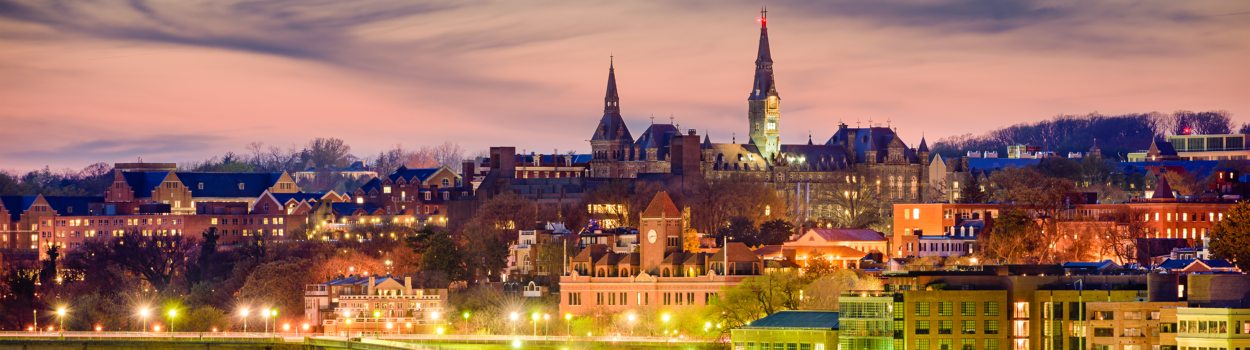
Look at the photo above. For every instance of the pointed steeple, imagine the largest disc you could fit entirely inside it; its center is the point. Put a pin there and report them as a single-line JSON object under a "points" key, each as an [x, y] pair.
{"points": [[611, 101], [763, 85], [612, 125], [924, 146]]}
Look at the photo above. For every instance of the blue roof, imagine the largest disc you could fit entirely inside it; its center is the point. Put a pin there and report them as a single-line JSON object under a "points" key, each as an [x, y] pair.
{"points": [[225, 185], [347, 208], [1199, 168], [298, 197], [357, 280], [797, 319], [72, 205], [992, 164], [16, 205], [421, 174], [1172, 264], [143, 182]]}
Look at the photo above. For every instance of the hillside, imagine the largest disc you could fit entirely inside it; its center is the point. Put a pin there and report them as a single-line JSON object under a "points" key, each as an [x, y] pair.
{"points": [[1117, 135]]}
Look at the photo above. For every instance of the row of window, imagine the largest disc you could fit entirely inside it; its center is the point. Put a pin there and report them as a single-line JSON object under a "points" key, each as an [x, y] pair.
{"points": [[622, 298], [966, 308], [948, 327], [964, 344]]}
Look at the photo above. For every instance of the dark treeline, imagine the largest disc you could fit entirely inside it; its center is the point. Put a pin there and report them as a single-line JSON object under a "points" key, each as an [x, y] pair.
{"points": [[1117, 135]]}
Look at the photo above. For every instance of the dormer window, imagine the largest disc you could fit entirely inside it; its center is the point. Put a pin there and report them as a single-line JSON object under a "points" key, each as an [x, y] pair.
{"points": [[446, 182], [200, 186], [240, 186], [386, 189]]}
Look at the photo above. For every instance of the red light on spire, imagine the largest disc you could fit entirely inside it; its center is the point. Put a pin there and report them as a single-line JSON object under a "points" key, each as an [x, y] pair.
{"points": [[763, 19]]}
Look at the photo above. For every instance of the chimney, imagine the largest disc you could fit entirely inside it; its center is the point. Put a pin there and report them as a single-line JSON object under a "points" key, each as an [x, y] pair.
{"points": [[369, 288], [467, 169], [684, 154], [503, 161], [407, 285]]}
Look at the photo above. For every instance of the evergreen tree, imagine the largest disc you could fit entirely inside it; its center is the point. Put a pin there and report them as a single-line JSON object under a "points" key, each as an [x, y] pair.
{"points": [[1230, 238]]}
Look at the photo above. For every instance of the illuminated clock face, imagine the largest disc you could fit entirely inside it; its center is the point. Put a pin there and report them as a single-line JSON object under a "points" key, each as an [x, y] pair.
{"points": [[651, 236]]}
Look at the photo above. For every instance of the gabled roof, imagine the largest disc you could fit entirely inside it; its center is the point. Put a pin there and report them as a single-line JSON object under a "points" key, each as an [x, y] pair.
{"points": [[656, 136], [1178, 264], [72, 205], [284, 198], [738, 252], [847, 234], [16, 205], [420, 174], [661, 206], [793, 319], [349, 208], [143, 182], [1163, 190]]}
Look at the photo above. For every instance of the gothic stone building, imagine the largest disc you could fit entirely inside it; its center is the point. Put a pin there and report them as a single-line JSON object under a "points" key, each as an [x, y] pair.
{"points": [[870, 159]]}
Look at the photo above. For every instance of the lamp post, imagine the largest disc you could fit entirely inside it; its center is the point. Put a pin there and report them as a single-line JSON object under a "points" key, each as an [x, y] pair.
{"points": [[144, 312], [265, 314], [534, 319], [546, 323], [512, 318], [632, 318], [243, 314], [568, 323], [60, 315], [274, 314], [173, 313], [664, 318]]}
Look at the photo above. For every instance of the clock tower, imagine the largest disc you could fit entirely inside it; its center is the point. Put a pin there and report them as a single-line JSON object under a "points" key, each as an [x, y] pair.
{"points": [[764, 103], [659, 232]]}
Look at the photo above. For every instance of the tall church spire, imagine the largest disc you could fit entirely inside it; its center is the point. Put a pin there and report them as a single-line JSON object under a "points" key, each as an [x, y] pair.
{"points": [[763, 84], [611, 101], [764, 104]]}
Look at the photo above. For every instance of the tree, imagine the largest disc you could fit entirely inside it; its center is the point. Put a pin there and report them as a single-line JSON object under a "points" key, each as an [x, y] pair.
{"points": [[1012, 239], [278, 284], [156, 259], [775, 231], [323, 152], [1043, 197], [823, 292], [972, 192], [1230, 238], [758, 296], [740, 229], [441, 260]]}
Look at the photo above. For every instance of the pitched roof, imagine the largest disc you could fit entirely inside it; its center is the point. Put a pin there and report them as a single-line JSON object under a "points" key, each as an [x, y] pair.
{"points": [[143, 182], [407, 174], [72, 205], [222, 185], [16, 205], [797, 319], [738, 252], [657, 136], [349, 208], [611, 125], [1163, 190], [283, 198], [848, 234], [661, 206]]}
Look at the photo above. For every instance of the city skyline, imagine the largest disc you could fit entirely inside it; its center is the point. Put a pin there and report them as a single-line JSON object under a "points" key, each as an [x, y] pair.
{"points": [[182, 83]]}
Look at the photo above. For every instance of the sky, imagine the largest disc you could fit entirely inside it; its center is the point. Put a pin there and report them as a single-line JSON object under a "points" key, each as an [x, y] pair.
{"points": [[178, 81]]}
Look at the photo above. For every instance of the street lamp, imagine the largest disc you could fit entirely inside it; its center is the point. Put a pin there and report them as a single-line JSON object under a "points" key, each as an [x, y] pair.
{"points": [[664, 318], [633, 319], [513, 317], [274, 313], [243, 314], [568, 322], [60, 315], [172, 314], [534, 319], [144, 312], [546, 322]]}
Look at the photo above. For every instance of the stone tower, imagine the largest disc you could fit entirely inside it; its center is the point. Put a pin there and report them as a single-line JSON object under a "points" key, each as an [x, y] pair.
{"points": [[764, 104], [611, 141]]}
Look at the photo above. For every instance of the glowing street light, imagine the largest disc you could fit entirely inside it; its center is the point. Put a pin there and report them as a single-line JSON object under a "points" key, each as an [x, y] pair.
{"points": [[633, 319], [513, 317], [568, 322], [534, 319], [60, 315], [173, 313], [144, 312], [243, 314]]}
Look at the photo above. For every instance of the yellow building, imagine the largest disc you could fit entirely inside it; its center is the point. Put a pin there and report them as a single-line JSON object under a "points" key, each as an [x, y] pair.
{"points": [[1134, 325], [1062, 320], [1212, 329], [956, 319]]}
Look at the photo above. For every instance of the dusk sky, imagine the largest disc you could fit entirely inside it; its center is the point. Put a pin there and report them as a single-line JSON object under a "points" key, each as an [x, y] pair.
{"points": [[178, 81]]}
